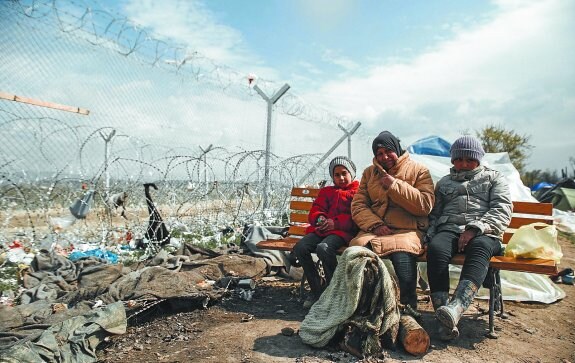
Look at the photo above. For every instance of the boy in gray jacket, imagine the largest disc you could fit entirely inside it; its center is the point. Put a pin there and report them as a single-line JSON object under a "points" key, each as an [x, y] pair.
{"points": [[472, 210]]}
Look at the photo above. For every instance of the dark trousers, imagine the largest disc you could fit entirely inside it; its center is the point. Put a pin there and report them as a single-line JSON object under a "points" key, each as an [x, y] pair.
{"points": [[326, 250], [443, 247], [405, 266]]}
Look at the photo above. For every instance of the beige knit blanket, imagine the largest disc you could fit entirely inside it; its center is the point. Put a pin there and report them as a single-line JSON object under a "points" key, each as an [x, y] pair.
{"points": [[339, 301]]}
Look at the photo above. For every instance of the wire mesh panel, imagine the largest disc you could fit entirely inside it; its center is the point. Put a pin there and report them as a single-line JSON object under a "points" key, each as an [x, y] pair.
{"points": [[155, 112]]}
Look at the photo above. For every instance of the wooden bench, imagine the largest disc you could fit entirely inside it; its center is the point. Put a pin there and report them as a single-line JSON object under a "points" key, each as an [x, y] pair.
{"points": [[524, 213]]}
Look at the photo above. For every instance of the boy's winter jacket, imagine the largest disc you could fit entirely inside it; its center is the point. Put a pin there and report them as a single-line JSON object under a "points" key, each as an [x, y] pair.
{"points": [[479, 199]]}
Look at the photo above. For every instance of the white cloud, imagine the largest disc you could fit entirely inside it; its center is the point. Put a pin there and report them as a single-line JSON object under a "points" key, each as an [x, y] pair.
{"points": [[332, 56], [192, 24], [515, 70]]}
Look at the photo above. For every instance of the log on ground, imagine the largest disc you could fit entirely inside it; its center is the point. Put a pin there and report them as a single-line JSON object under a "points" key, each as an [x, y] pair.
{"points": [[414, 338]]}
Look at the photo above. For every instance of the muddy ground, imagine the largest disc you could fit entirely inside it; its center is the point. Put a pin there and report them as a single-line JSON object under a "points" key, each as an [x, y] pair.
{"points": [[235, 330]]}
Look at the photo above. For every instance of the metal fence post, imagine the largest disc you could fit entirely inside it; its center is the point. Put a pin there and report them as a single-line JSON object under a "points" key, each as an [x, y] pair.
{"points": [[270, 102]]}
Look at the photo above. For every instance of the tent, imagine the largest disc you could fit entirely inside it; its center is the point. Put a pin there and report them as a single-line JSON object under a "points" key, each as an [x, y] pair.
{"points": [[431, 145], [541, 185], [563, 199]]}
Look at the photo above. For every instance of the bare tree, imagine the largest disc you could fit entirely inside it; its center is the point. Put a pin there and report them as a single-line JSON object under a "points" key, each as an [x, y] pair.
{"points": [[498, 139]]}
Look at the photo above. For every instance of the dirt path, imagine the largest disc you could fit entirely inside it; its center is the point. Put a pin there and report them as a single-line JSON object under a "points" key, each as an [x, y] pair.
{"points": [[235, 330]]}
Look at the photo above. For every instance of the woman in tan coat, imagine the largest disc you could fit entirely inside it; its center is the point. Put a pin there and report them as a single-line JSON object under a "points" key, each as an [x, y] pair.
{"points": [[391, 209]]}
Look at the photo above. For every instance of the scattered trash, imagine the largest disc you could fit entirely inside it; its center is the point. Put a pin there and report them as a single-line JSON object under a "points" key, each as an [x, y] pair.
{"points": [[246, 295], [81, 207], [247, 284], [15, 244], [565, 276], [19, 255], [61, 223], [106, 255], [204, 284], [568, 279]]}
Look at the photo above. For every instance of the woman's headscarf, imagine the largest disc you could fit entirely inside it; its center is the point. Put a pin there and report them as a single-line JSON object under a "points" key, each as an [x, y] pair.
{"points": [[387, 140]]}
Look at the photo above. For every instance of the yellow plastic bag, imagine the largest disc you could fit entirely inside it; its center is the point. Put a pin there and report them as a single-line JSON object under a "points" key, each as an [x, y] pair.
{"points": [[531, 242]]}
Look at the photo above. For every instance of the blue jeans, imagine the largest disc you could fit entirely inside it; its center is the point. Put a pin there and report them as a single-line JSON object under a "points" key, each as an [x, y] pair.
{"points": [[326, 250]]}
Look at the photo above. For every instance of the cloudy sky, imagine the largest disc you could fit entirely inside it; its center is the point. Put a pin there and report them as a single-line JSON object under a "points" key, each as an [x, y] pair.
{"points": [[416, 68]]}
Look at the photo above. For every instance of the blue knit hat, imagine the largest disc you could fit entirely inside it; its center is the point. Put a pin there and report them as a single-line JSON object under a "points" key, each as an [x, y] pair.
{"points": [[343, 161], [467, 147]]}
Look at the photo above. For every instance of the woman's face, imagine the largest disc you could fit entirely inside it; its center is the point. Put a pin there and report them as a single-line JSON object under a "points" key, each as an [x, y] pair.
{"points": [[386, 158], [341, 176], [464, 164]]}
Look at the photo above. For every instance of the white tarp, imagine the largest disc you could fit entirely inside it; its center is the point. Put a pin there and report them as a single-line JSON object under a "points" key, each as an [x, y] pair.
{"points": [[439, 167]]}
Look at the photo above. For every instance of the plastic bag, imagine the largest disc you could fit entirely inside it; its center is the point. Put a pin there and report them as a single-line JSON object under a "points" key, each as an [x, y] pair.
{"points": [[531, 242]]}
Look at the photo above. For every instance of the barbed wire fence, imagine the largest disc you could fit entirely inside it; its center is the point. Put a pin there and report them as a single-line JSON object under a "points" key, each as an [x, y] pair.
{"points": [[154, 107]]}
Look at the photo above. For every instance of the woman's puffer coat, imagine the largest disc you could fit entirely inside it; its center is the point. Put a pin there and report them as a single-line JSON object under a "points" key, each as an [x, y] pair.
{"points": [[404, 207]]}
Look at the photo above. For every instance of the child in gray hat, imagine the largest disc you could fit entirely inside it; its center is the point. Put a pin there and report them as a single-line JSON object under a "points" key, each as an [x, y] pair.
{"points": [[330, 226], [472, 210]]}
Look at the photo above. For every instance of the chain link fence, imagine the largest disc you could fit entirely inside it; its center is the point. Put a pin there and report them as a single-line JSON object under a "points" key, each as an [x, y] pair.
{"points": [[158, 112]]}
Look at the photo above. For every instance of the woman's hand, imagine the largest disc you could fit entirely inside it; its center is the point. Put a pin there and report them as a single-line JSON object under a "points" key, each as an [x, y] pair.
{"points": [[386, 181], [326, 226], [382, 231]]}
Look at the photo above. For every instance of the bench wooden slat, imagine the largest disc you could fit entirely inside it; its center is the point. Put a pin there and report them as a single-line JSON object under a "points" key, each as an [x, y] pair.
{"points": [[534, 265], [507, 236], [297, 230], [284, 244], [533, 208], [298, 218], [300, 205], [517, 222], [305, 192]]}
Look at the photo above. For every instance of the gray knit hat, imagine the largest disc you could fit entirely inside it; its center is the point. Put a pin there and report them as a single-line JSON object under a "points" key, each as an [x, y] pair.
{"points": [[467, 147], [343, 161]]}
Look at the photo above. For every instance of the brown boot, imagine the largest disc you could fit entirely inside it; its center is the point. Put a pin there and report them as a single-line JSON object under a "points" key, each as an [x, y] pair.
{"points": [[450, 314]]}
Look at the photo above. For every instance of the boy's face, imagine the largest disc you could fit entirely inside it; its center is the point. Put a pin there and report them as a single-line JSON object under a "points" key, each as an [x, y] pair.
{"points": [[386, 158], [464, 164], [341, 177]]}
